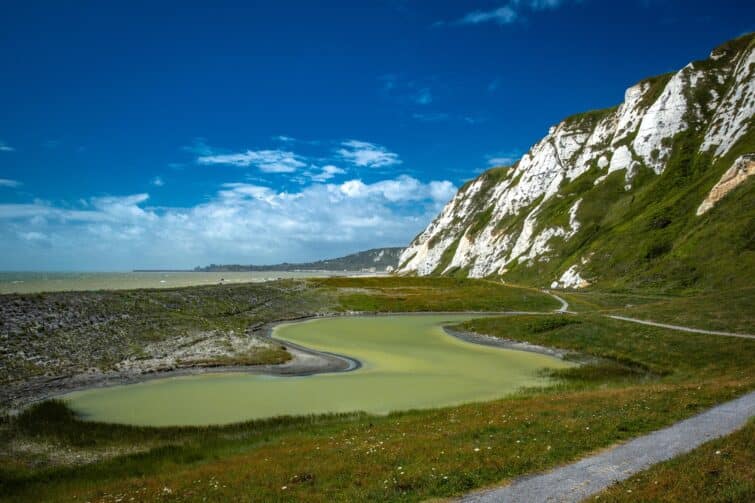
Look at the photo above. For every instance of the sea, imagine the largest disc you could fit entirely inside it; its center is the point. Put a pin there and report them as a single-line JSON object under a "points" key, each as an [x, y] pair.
{"points": [[35, 282]]}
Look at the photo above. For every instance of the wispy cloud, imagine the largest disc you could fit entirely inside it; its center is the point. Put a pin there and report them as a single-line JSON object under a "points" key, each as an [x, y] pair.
{"points": [[431, 116], [267, 161], [4, 147], [199, 147], [405, 90], [501, 15], [157, 181], [503, 158], [284, 138], [423, 97], [5, 182], [366, 154], [508, 13]]}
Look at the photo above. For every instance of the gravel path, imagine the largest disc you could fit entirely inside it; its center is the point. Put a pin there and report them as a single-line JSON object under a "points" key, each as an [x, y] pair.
{"points": [[564, 305], [591, 475], [565, 309], [677, 327]]}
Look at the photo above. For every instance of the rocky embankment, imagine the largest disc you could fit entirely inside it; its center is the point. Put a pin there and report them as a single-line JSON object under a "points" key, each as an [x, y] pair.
{"points": [[51, 343]]}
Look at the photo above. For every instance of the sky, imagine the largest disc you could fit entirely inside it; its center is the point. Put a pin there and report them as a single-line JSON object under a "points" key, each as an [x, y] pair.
{"points": [[175, 134]]}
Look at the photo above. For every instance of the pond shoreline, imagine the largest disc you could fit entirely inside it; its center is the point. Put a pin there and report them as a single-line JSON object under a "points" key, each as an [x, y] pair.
{"points": [[489, 340], [304, 361]]}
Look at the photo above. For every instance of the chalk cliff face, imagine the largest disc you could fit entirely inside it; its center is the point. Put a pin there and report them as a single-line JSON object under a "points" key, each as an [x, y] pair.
{"points": [[648, 162]]}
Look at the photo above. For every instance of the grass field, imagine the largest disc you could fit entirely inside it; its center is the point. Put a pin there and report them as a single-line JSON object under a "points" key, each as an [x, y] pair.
{"points": [[639, 379], [399, 294]]}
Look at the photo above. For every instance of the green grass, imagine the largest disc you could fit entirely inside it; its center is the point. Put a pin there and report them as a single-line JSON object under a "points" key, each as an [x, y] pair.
{"points": [[730, 310], [722, 470], [641, 379], [727, 310], [416, 294]]}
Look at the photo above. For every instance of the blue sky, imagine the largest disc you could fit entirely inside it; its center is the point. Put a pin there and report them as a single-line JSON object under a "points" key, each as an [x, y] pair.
{"points": [[159, 134]]}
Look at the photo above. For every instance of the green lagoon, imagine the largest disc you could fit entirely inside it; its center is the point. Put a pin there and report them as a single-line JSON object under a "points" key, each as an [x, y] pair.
{"points": [[408, 362]]}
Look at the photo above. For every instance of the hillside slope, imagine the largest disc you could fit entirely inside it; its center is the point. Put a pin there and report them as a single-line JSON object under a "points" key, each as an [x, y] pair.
{"points": [[379, 259], [653, 193]]}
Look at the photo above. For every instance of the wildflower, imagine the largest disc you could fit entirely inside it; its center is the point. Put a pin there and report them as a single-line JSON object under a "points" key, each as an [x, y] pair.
{"points": [[477, 449], [284, 488]]}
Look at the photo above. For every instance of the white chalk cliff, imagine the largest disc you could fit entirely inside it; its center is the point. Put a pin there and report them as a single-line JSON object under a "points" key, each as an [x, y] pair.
{"points": [[497, 221]]}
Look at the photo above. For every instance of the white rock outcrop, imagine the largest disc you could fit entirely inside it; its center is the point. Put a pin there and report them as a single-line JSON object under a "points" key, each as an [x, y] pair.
{"points": [[741, 170]]}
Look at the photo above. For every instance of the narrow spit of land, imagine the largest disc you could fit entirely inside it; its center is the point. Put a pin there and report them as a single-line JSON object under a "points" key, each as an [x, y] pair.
{"points": [[577, 481]]}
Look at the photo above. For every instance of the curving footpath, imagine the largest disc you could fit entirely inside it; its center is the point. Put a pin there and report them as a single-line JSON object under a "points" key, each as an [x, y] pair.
{"points": [[565, 309], [591, 475], [678, 327]]}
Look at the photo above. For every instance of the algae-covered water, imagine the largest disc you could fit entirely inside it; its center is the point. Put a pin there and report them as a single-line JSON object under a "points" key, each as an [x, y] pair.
{"points": [[408, 362]]}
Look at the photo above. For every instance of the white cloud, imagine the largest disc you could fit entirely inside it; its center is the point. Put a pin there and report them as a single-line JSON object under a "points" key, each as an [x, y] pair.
{"points": [[267, 161], [503, 159], [4, 147], [241, 223], [365, 154], [443, 191], [157, 181], [401, 189], [326, 173], [501, 15], [5, 182]]}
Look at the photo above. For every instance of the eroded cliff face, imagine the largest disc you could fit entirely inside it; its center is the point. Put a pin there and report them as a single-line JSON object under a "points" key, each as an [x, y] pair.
{"points": [[530, 213]]}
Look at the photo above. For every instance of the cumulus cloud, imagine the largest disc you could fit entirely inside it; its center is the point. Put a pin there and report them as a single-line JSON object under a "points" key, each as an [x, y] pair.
{"points": [[326, 173], [267, 161], [240, 223], [366, 154], [5, 182]]}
